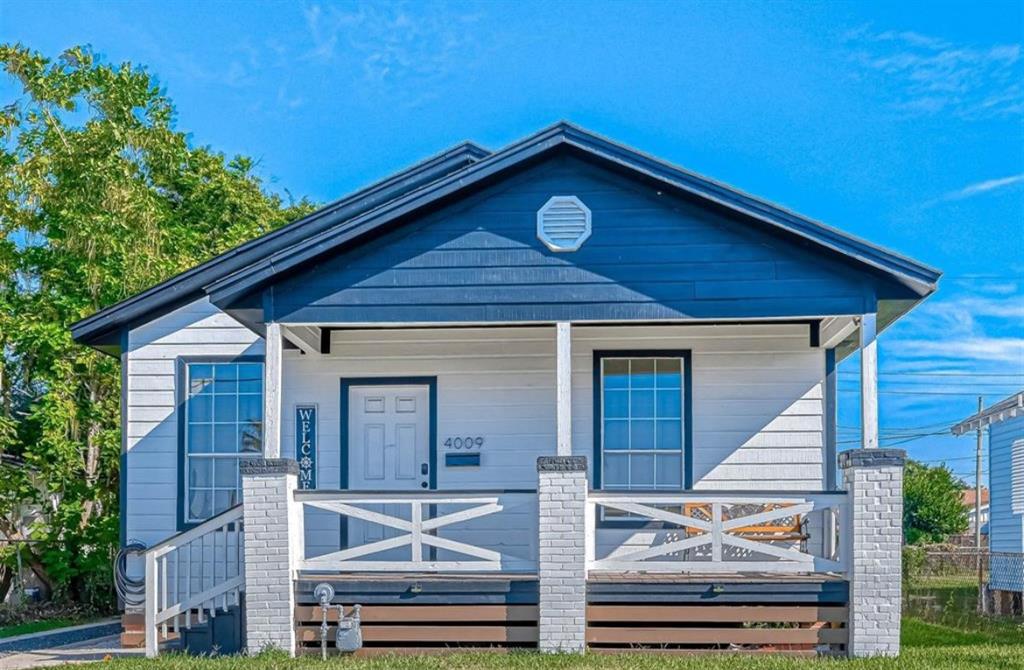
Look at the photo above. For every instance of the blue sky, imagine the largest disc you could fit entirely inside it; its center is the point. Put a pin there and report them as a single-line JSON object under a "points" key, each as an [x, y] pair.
{"points": [[898, 122]]}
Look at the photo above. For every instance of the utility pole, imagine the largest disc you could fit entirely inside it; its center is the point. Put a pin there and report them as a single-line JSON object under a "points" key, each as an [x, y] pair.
{"points": [[977, 513]]}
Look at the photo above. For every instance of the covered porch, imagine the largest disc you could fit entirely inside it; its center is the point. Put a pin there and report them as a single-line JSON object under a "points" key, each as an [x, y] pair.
{"points": [[439, 531]]}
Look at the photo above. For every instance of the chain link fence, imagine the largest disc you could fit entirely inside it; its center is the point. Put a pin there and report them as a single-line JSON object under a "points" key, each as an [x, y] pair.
{"points": [[962, 586]]}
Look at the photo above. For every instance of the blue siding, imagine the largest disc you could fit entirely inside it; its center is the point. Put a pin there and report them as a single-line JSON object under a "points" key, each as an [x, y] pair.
{"points": [[651, 256], [1004, 526]]}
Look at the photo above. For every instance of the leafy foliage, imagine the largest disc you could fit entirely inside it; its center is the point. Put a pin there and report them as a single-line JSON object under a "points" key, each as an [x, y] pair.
{"points": [[932, 510], [104, 198]]}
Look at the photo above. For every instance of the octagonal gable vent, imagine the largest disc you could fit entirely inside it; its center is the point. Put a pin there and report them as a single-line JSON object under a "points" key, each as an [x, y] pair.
{"points": [[563, 223]]}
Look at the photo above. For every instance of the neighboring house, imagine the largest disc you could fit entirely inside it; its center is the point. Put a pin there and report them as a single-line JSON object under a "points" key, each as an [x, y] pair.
{"points": [[968, 498], [1005, 423], [517, 398]]}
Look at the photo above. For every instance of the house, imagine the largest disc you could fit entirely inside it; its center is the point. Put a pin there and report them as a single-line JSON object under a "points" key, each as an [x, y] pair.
{"points": [[1005, 423], [969, 497], [560, 395]]}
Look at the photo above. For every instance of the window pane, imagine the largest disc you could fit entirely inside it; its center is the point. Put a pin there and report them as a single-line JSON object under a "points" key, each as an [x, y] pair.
{"points": [[641, 373], [641, 434], [200, 472], [670, 404], [200, 408], [200, 439], [616, 404], [616, 434], [670, 470], [225, 408], [251, 436], [670, 435], [641, 404], [669, 373], [641, 470], [222, 501], [225, 438], [616, 470], [199, 503], [225, 380], [200, 378], [250, 408], [225, 472], [616, 371], [250, 378]]}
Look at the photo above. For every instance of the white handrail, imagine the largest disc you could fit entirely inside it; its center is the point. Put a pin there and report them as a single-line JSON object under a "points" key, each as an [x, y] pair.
{"points": [[171, 568], [727, 541]]}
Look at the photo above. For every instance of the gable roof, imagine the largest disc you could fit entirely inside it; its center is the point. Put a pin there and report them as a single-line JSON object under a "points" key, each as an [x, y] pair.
{"points": [[346, 223], [101, 330]]}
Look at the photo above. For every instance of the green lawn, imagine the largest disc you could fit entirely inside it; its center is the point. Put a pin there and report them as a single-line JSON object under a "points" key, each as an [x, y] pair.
{"points": [[35, 627], [925, 647]]}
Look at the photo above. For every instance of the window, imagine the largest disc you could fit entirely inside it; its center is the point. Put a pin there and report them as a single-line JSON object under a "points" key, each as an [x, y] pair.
{"points": [[223, 423], [643, 422]]}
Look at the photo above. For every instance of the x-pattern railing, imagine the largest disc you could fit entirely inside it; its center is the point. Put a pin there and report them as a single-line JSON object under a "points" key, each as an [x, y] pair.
{"points": [[419, 533], [716, 522]]}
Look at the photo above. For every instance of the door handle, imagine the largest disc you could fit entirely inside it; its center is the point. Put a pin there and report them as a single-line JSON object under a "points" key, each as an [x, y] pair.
{"points": [[424, 469]]}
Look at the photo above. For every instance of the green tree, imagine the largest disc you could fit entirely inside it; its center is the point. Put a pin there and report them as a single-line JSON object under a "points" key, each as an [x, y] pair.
{"points": [[932, 510], [103, 198]]}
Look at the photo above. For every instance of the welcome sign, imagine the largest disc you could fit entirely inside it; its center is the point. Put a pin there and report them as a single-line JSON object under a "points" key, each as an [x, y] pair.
{"points": [[305, 444]]}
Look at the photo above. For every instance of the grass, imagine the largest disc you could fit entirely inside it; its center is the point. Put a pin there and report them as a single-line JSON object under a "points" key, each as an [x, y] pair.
{"points": [[925, 647], [36, 626]]}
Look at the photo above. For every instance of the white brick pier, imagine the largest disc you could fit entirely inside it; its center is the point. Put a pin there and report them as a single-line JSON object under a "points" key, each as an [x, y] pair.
{"points": [[874, 480], [562, 491], [273, 540]]}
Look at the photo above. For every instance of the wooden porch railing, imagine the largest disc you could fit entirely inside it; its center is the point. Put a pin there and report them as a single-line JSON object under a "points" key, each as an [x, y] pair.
{"points": [[717, 532], [193, 573], [421, 526]]}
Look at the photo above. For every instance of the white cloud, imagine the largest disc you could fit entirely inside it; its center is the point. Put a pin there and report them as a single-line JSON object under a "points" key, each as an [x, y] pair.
{"points": [[977, 332], [984, 187], [397, 51], [935, 76]]}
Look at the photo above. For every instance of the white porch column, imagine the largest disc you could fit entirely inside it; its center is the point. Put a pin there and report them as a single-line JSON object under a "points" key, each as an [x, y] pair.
{"points": [[272, 392], [563, 387], [273, 544], [868, 382], [874, 480], [562, 566]]}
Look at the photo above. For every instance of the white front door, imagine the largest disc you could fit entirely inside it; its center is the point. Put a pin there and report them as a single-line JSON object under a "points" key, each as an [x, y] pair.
{"points": [[388, 450]]}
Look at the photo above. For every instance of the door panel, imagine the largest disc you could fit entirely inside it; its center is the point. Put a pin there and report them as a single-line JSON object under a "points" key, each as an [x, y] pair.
{"points": [[389, 434]]}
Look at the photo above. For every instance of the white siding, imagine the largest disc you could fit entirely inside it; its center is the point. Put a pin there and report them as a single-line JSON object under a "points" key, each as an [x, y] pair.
{"points": [[197, 329], [757, 402]]}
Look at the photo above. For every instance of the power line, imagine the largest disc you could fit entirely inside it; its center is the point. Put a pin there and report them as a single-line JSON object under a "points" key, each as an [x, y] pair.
{"points": [[924, 393], [1017, 375]]}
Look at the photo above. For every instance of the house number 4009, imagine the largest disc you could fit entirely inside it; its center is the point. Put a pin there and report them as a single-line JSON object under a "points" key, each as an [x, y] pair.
{"points": [[464, 442]]}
